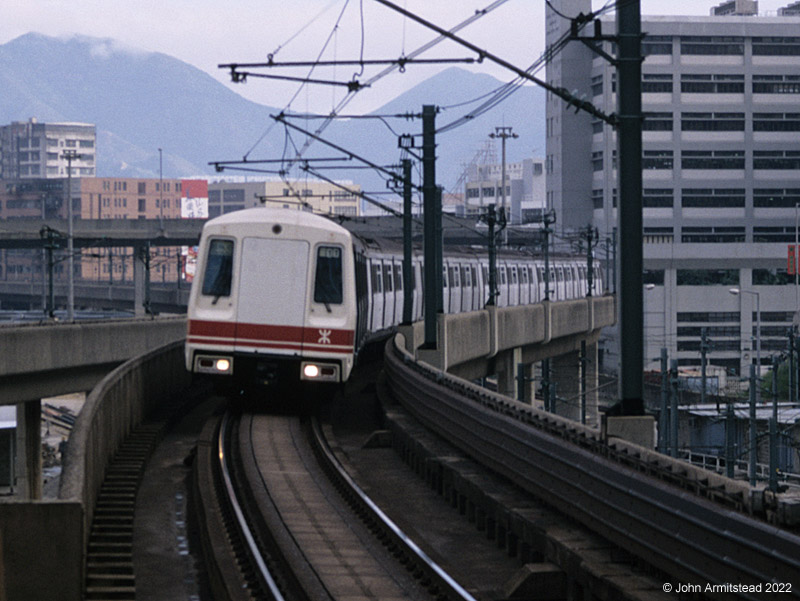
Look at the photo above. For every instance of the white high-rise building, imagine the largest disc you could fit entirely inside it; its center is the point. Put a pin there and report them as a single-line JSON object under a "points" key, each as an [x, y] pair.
{"points": [[721, 173]]}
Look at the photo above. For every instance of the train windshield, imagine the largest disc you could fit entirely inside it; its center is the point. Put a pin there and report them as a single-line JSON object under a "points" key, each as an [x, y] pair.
{"points": [[328, 278], [219, 269]]}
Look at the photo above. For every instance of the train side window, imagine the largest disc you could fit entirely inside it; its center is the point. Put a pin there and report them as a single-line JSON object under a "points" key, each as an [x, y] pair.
{"points": [[387, 277], [328, 287], [398, 276], [219, 269], [376, 278], [474, 277]]}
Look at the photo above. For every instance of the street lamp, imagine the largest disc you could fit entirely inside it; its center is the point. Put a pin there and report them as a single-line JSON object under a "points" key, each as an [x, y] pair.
{"points": [[736, 292]]}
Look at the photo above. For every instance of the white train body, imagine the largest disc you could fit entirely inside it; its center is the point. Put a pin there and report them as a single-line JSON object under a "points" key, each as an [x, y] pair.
{"points": [[284, 295]]}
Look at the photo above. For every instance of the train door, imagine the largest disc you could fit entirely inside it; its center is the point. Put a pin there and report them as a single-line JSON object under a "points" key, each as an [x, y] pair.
{"points": [[388, 293], [560, 291], [524, 286], [417, 281], [399, 292], [534, 283], [376, 271], [466, 289], [485, 283], [502, 285], [513, 286], [455, 288], [272, 298]]}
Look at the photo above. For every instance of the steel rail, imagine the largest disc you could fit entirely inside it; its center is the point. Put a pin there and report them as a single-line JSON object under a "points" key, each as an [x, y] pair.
{"points": [[223, 446], [446, 585], [686, 536]]}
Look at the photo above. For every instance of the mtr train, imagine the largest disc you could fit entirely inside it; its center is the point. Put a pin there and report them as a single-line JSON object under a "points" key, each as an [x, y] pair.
{"points": [[284, 295]]}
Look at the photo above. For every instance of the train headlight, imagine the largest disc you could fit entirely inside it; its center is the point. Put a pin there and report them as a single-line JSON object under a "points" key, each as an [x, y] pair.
{"points": [[210, 364], [319, 372]]}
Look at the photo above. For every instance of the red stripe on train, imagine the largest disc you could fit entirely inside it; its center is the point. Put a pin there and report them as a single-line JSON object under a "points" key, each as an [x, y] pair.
{"points": [[250, 333]]}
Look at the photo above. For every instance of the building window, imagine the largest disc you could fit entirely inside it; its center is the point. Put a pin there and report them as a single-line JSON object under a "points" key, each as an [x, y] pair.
{"points": [[653, 276], [657, 159], [712, 45], [86, 143], [488, 191], [657, 198], [776, 121], [712, 159], [712, 121], [776, 46], [695, 83], [713, 317], [774, 234], [772, 277], [776, 84], [713, 331], [597, 85], [597, 160], [712, 235], [657, 122], [712, 198], [776, 197], [656, 83], [707, 277], [776, 159], [597, 198], [657, 44]]}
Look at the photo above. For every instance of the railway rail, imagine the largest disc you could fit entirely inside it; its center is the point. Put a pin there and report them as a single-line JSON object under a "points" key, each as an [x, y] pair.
{"points": [[273, 535], [695, 527]]}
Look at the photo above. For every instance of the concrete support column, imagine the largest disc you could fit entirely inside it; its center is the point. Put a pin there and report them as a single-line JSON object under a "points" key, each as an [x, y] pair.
{"points": [[138, 282], [506, 368], [29, 450], [529, 386], [565, 370], [592, 381]]}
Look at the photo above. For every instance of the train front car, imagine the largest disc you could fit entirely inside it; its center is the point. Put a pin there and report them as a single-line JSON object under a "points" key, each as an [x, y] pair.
{"points": [[274, 299]]}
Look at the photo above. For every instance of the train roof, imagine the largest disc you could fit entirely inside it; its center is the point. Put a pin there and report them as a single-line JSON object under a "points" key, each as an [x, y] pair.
{"points": [[272, 215]]}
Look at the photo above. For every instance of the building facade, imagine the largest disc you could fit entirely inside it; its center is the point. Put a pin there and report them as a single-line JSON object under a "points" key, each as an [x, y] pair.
{"points": [[226, 195], [721, 176], [33, 150], [525, 189], [101, 198]]}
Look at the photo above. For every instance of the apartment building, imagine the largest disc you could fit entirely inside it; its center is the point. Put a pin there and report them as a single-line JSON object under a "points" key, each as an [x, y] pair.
{"points": [[721, 174], [525, 189], [33, 150]]}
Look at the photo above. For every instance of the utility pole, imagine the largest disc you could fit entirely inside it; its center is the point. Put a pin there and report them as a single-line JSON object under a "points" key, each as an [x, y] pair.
{"points": [[663, 416], [753, 426], [704, 348], [491, 221], [504, 133], [432, 229], [547, 219], [629, 212], [70, 155], [408, 296], [592, 238]]}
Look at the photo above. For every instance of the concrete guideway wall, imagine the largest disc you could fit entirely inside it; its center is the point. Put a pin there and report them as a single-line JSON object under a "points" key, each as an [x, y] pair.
{"points": [[56, 532], [536, 329], [59, 358]]}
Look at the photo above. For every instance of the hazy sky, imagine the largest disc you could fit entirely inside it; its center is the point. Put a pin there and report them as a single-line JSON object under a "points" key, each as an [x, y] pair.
{"points": [[206, 33]]}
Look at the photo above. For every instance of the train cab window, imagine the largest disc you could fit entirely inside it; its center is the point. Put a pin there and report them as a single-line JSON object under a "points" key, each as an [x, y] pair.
{"points": [[328, 287], [398, 276], [387, 277], [219, 269]]}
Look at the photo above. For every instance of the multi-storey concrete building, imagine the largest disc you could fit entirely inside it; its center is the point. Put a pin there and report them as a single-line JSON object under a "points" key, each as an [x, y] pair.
{"points": [[525, 191], [101, 198], [721, 174], [37, 150], [228, 195]]}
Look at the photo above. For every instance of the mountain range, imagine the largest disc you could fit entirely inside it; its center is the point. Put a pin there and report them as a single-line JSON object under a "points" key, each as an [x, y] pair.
{"points": [[141, 101]]}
